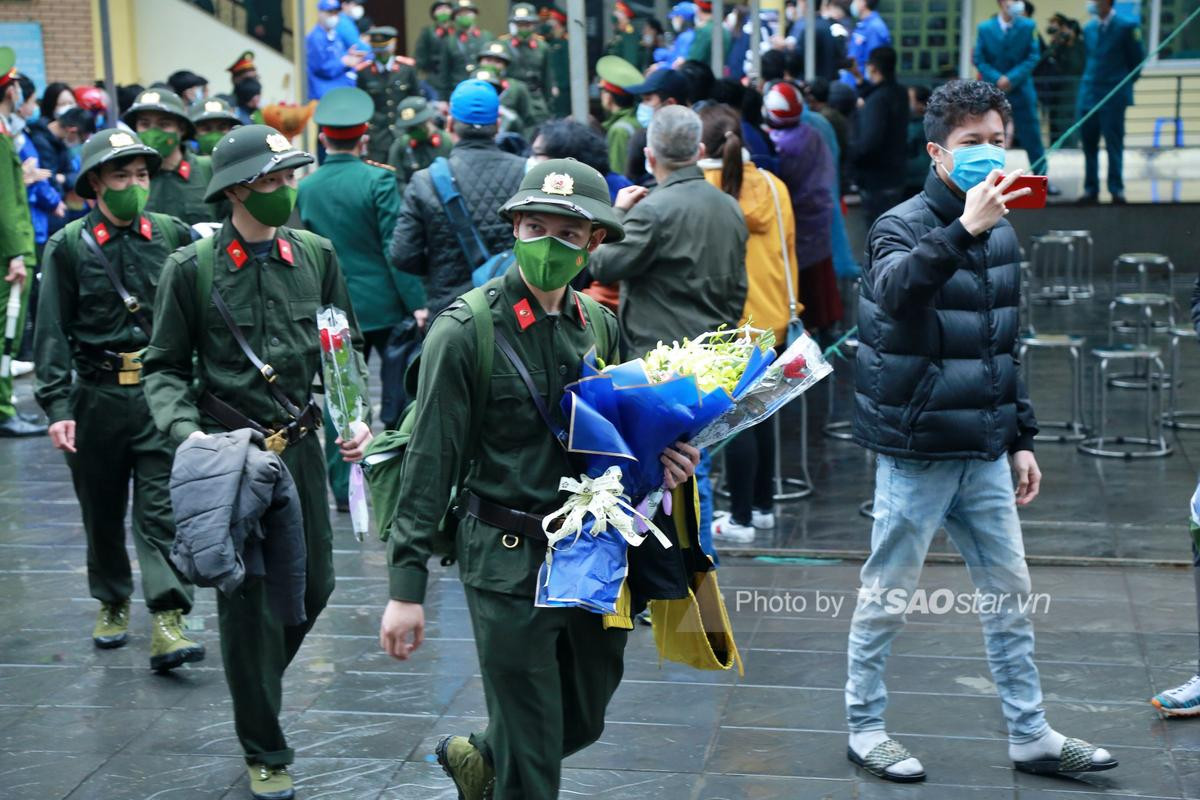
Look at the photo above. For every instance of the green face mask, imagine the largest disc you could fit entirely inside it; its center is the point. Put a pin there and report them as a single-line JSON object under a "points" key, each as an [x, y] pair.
{"points": [[165, 143], [464, 21], [549, 263], [419, 134], [271, 208], [442, 17], [524, 33], [125, 204], [208, 141]]}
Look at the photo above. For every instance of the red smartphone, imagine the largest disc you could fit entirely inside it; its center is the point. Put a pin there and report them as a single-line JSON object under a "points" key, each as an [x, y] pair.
{"points": [[1036, 198]]}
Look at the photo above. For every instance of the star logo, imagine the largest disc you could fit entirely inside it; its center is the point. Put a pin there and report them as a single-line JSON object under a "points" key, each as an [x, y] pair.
{"points": [[151, 98], [407, 113], [121, 139], [559, 183], [213, 107], [278, 143], [870, 595]]}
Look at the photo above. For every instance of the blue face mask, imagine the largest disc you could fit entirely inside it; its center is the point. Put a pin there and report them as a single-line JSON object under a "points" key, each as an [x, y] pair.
{"points": [[973, 163], [36, 115], [1091, 9], [644, 114]]}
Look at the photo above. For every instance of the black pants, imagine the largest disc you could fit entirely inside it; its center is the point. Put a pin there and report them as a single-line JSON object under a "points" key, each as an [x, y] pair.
{"points": [[750, 472]]}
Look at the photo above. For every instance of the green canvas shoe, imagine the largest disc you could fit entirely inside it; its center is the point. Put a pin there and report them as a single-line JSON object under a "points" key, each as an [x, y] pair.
{"points": [[112, 625], [270, 783], [465, 765], [169, 647]]}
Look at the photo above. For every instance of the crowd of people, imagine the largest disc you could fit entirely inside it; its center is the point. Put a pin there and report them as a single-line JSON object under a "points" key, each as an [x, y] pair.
{"points": [[174, 332]]}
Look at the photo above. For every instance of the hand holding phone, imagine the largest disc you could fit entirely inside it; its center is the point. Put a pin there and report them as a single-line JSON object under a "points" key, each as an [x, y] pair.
{"points": [[1036, 198]]}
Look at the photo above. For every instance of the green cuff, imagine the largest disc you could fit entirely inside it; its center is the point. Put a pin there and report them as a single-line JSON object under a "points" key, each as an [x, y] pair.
{"points": [[59, 410], [182, 429], [407, 584]]}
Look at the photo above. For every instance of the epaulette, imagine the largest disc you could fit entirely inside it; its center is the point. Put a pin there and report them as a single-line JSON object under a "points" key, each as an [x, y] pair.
{"points": [[388, 167]]}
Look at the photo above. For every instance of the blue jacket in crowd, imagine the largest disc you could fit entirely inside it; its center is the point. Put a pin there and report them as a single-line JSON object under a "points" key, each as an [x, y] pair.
{"points": [[43, 198], [1114, 49], [326, 71], [870, 32], [1013, 53]]}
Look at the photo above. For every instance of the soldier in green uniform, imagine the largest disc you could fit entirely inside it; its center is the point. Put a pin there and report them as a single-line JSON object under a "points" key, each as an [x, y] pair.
{"points": [[346, 187], [178, 188], [212, 118], [616, 76], [418, 141], [431, 47], [626, 43], [530, 59], [548, 673], [17, 254], [271, 280], [463, 46], [100, 275], [558, 54], [387, 78], [517, 114]]}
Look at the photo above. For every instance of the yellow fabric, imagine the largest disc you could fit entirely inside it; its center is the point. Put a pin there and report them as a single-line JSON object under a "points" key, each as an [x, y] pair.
{"points": [[696, 630], [622, 619], [766, 292]]}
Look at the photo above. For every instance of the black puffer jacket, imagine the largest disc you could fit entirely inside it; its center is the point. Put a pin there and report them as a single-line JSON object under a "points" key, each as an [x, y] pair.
{"points": [[937, 375], [424, 244]]}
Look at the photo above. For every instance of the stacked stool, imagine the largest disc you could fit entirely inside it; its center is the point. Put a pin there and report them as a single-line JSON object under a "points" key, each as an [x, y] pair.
{"points": [[1073, 429], [1055, 265], [1083, 284], [1154, 443]]}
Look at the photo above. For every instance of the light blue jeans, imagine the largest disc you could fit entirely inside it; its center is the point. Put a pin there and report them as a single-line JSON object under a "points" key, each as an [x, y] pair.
{"points": [[974, 500]]}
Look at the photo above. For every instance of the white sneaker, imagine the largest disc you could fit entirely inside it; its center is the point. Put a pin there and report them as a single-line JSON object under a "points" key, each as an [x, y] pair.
{"points": [[724, 529], [20, 368], [763, 520], [1182, 701]]}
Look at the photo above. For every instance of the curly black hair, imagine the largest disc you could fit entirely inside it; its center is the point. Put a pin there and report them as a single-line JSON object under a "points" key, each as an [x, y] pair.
{"points": [[954, 102]]}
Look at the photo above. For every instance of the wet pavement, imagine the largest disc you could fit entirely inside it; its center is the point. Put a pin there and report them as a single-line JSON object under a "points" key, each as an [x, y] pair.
{"points": [[81, 723]]}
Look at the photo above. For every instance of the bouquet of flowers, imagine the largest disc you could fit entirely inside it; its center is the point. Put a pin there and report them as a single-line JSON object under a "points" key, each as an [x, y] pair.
{"points": [[622, 417], [345, 398]]}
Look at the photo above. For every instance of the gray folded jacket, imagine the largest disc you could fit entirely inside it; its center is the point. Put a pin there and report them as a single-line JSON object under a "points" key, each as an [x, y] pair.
{"points": [[238, 516]]}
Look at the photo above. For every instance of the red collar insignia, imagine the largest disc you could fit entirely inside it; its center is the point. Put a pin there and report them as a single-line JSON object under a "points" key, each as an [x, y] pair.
{"points": [[145, 228], [285, 251], [101, 233], [533, 44], [579, 310], [185, 169], [436, 140], [237, 252], [524, 314]]}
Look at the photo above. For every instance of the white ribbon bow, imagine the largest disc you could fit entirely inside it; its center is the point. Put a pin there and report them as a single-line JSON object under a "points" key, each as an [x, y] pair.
{"points": [[603, 498]]}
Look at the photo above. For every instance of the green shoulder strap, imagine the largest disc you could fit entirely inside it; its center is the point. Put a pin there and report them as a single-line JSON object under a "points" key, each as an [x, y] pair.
{"points": [[166, 224], [595, 318], [485, 348], [205, 256]]}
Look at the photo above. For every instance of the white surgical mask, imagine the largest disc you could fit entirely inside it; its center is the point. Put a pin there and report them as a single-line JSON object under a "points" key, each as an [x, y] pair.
{"points": [[356, 12], [330, 22], [1017, 8], [677, 23]]}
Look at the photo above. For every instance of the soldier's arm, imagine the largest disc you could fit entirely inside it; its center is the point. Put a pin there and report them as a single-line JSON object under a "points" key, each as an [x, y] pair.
{"points": [[440, 430], [52, 349], [16, 229], [631, 256], [167, 365]]}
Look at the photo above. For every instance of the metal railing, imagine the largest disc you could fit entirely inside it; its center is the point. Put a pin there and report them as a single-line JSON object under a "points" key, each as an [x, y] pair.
{"points": [[1165, 114], [233, 14]]}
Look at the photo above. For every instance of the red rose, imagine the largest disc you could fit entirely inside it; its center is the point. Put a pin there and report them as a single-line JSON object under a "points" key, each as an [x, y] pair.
{"points": [[795, 369], [326, 341]]}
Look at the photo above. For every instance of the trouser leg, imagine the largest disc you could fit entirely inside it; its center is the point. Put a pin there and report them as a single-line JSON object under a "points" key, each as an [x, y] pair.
{"points": [[1029, 133], [100, 470], [153, 523], [255, 646], [741, 461], [1112, 127], [1089, 136], [987, 532], [548, 675], [911, 502], [764, 471]]}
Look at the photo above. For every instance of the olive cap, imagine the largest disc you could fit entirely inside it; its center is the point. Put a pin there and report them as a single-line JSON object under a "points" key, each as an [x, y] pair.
{"points": [[617, 71], [344, 107], [568, 188], [163, 101], [111, 144], [497, 50], [247, 153], [523, 12]]}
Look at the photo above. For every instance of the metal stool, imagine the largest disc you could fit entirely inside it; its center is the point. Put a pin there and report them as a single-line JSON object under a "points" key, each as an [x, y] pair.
{"points": [[1086, 275], [1073, 428], [1143, 263], [1143, 327], [1153, 444], [840, 428], [1174, 418], [1053, 260]]}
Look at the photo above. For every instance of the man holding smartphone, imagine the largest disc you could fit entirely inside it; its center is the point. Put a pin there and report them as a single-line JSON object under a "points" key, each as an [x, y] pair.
{"points": [[939, 398]]}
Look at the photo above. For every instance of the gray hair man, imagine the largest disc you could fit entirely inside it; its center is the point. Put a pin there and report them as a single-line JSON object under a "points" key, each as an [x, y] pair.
{"points": [[682, 264]]}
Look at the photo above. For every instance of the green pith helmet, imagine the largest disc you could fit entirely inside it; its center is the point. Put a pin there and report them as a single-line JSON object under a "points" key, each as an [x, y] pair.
{"points": [[465, 5], [498, 50], [164, 101], [523, 12], [568, 188], [213, 109], [108, 145], [247, 153], [413, 111]]}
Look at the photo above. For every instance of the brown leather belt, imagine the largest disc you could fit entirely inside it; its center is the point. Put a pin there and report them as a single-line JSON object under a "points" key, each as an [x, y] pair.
{"points": [[514, 523], [109, 366], [277, 437]]}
